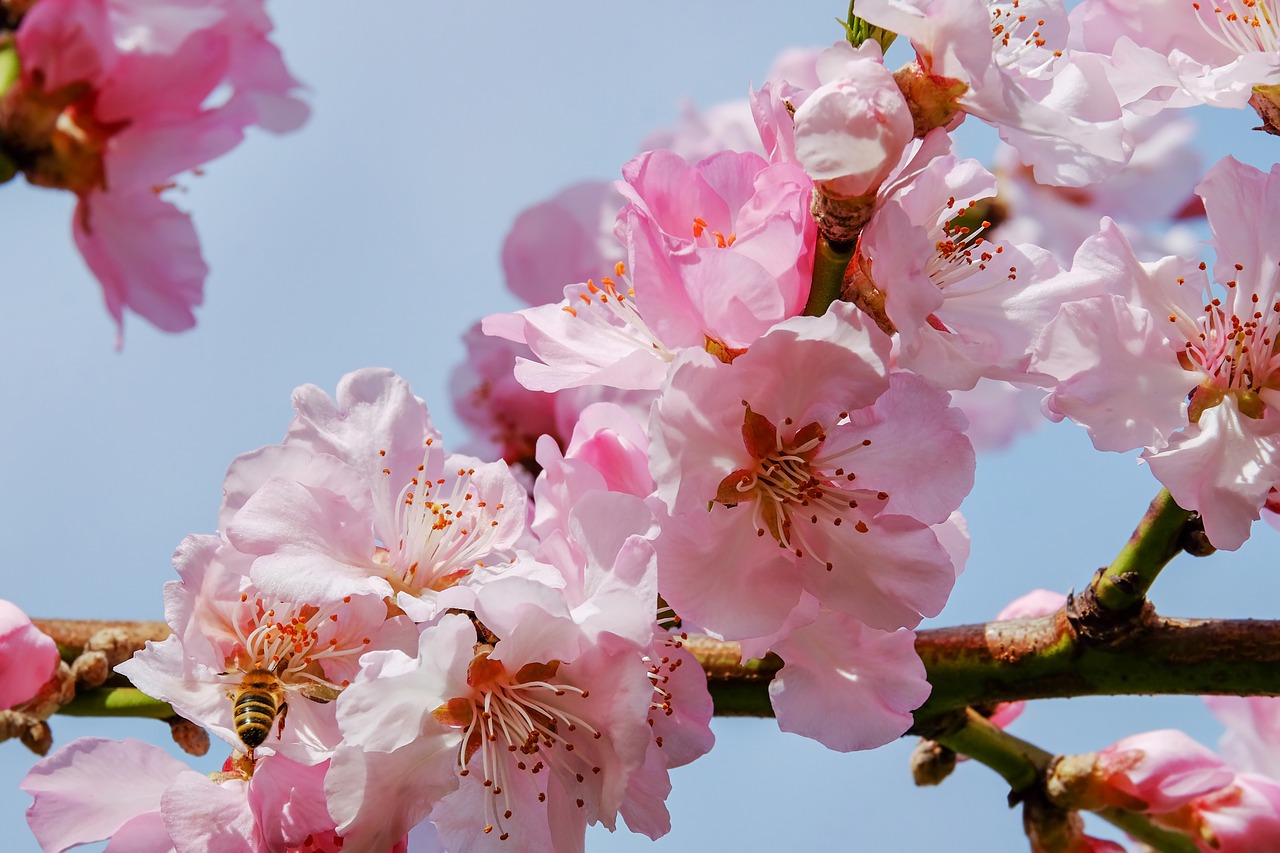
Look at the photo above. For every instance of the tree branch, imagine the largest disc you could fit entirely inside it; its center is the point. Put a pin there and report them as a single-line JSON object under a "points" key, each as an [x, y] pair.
{"points": [[1041, 658]]}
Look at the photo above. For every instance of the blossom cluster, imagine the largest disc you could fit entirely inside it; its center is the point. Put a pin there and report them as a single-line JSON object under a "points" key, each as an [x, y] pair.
{"points": [[694, 435]]}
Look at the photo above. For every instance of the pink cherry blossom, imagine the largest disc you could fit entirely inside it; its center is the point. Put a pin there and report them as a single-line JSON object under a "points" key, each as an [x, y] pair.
{"points": [[375, 506], [846, 685], [1184, 370], [1182, 54], [814, 465], [561, 668], [28, 657], [117, 99], [538, 730], [1158, 772], [608, 451], [1055, 106], [1149, 199], [719, 252], [506, 418], [964, 306], [1242, 817], [1252, 739], [851, 131], [565, 239], [225, 629]]}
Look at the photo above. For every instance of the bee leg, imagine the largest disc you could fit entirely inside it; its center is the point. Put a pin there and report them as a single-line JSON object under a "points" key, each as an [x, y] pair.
{"points": [[284, 711]]}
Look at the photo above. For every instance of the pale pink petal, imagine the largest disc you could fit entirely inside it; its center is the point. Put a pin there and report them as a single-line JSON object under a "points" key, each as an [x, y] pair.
{"points": [[1252, 739], [846, 685], [92, 787], [1116, 371], [1222, 468], [918, 452], [732, 584], [373, 422], [566, 239], [202, 816]]}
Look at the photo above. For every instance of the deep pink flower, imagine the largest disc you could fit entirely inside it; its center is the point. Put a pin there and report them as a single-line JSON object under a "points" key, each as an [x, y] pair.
{"points": [[117, 98], [718, 253], [28, 657]]}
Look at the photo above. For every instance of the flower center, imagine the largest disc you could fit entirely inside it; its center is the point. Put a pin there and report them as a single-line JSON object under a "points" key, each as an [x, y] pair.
{"points": [[796, 483], [1242, 26], [614, 310], [1018, 39], [293, 642], [518, 723], [1235, 345], [444, 528], [714, 238]]}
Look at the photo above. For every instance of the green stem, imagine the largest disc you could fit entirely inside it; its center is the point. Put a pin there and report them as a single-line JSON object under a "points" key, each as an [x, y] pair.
{"points": [[1023, 764], [829, 264], [10, 68], [1142, 829], [1158, 538], [857, 30], [117, 702], [1018, 762]]}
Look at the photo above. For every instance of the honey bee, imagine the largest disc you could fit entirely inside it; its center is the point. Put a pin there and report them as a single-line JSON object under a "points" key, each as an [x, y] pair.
{"points": [[259, 700], [256, 703]]}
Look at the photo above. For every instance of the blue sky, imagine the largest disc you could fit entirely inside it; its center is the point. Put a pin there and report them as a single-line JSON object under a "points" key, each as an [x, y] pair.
{"points": [[371, 237]]}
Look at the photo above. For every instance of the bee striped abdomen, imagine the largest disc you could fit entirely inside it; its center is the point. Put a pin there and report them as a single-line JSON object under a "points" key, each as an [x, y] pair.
{"points": [[257, 701]]}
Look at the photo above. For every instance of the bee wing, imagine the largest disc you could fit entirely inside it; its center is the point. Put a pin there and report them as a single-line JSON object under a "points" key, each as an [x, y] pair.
{"points": [[320, 692]]}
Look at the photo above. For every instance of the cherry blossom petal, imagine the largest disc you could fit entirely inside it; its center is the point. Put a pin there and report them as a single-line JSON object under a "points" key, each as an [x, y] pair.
{"points": [[846, 685]]}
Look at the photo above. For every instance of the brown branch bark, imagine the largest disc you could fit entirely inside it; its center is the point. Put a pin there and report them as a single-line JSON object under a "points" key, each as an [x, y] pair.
{"points": [[972, 665]]}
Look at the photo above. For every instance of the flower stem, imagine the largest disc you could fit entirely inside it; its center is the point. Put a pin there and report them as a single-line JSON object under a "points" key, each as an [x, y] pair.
{"points": [[1023, 766], [1159, 537], [1018, 762], [829, 264], [117, 702]]}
